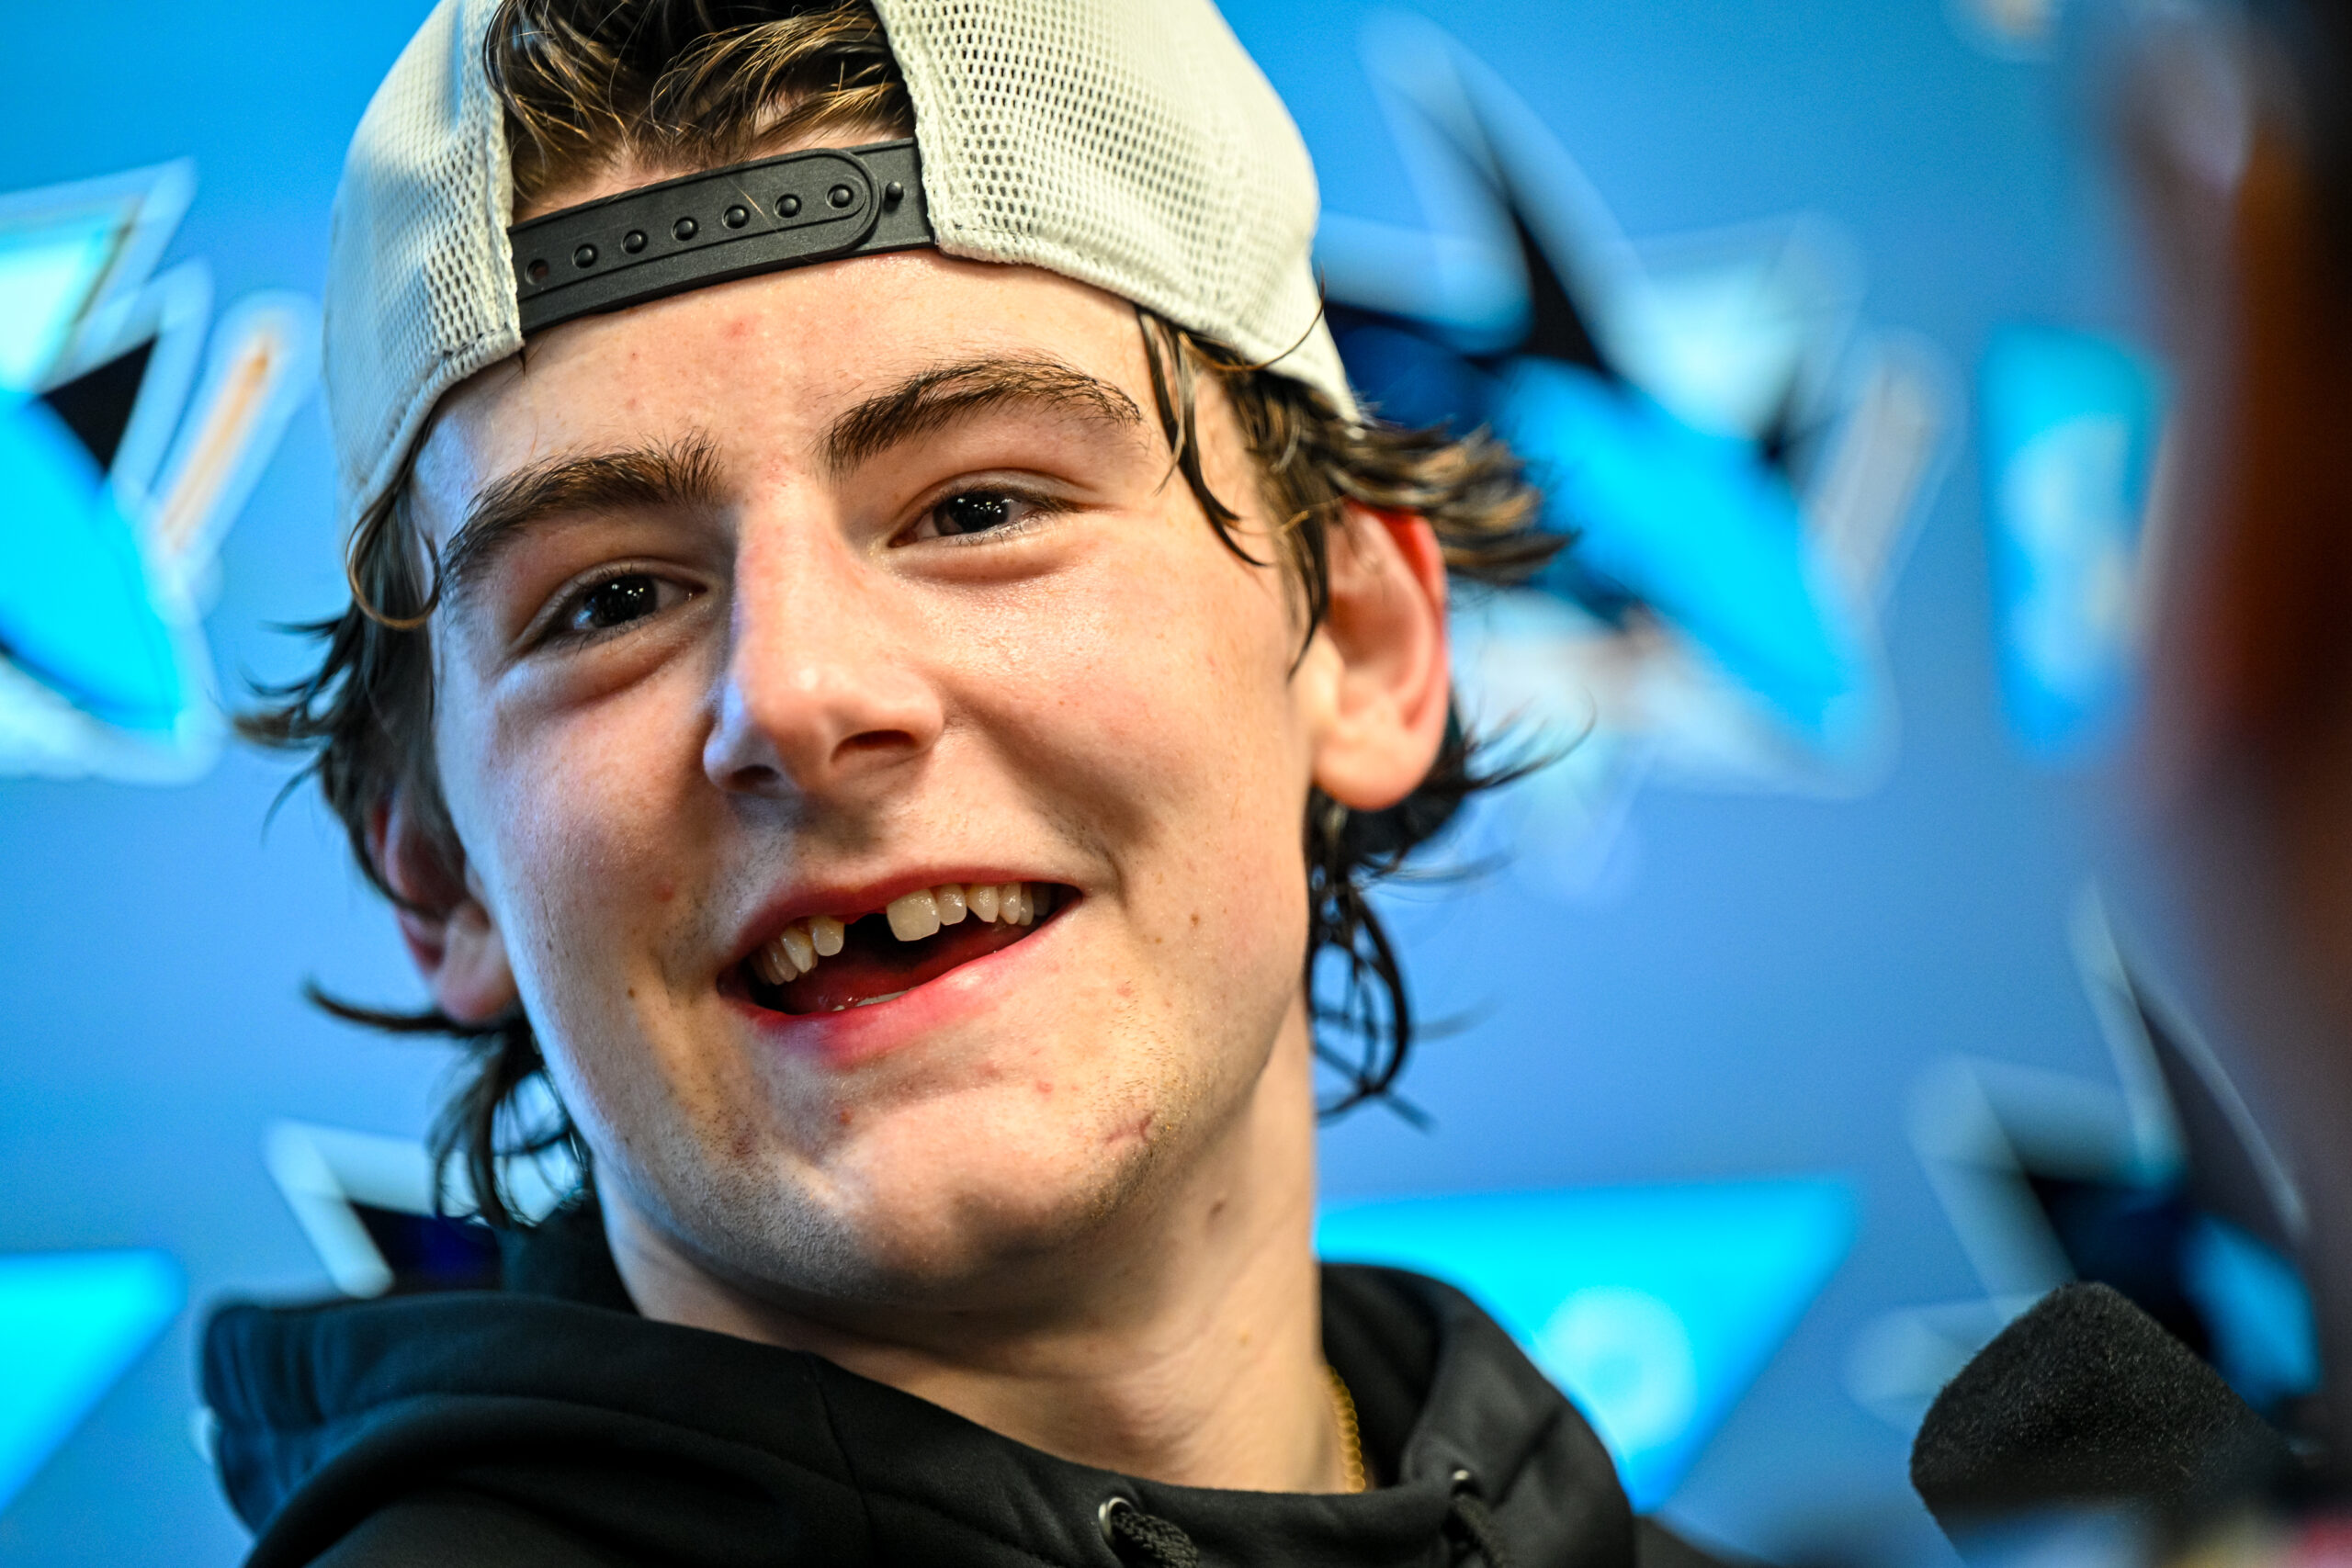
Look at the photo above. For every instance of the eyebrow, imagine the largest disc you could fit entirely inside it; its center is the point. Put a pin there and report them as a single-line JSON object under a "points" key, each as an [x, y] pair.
{"points": [[682, 474], [685, 473], [931, 400]]}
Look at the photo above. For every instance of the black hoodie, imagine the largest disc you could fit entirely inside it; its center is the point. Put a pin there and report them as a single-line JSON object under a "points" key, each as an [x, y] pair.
{"points": [[548, 1424]]}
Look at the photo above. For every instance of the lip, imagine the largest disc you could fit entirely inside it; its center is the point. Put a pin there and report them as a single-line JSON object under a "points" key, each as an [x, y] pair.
{"points": [[849, 903], [858, 1034]]}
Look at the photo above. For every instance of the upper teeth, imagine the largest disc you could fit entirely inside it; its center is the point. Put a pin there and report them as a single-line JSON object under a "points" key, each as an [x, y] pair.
{"points": [[914, 915]]}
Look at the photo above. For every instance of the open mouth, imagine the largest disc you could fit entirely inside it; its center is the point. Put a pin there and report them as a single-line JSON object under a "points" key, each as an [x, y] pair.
{"points": [[828, 963]]}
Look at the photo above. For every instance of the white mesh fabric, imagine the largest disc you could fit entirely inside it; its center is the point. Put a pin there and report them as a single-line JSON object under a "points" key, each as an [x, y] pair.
{"points": [[420, 293], [1132, 144]]}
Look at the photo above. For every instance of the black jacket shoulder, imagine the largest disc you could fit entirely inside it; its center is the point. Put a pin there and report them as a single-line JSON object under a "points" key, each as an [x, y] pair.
{"points": [[546, 1424]]}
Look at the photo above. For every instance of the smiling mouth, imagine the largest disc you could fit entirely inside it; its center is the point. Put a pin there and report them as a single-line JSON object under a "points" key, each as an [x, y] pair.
{"points": [[829, 964]]}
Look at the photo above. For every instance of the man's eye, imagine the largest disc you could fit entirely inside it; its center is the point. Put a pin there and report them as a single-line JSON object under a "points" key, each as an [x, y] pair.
{"points": [[976, 511], [617, 600]]}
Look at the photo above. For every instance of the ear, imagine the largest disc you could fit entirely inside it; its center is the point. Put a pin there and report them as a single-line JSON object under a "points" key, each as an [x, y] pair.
{"points": [[443, 917], [1383, 699]]}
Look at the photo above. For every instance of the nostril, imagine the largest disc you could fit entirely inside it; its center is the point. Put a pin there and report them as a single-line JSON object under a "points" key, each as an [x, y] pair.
{"points": [[755, 778], [875, 740]]}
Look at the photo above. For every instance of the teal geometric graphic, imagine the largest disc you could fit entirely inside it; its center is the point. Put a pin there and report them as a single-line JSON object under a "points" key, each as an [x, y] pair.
{"points": [[2257, 1309], [127, 445], [1652, 1308], [50, 270], [75, 608], [70, 1325], [2071, 423]]}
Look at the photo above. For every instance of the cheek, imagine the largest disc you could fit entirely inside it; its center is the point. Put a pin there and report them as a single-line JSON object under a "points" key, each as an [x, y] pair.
{"points": [[584, 836], [1169, 716]]}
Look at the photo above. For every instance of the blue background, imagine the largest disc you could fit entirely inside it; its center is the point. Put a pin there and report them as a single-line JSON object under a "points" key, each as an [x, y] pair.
{"points": [[1753, 995]]}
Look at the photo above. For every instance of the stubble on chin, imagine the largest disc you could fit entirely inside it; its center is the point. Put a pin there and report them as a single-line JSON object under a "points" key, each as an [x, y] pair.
{"points": [[821, 1207]]}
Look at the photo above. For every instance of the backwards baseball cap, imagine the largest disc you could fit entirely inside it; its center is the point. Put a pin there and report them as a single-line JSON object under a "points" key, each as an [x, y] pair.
{"points": [[1131, 144]]}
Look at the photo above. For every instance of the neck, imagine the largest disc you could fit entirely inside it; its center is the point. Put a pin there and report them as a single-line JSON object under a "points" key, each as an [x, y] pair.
{"points": [[1184, 1345]]}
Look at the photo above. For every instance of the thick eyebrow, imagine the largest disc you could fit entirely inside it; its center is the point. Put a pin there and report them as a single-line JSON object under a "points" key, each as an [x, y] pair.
{"points": [[930, 400], [684, 473]]}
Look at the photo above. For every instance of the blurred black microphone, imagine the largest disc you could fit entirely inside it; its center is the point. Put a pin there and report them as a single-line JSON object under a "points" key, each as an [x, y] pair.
{"points": [[2085, 1402]]}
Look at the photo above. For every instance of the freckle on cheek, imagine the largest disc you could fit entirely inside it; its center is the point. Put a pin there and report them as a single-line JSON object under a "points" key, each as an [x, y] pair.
{"points": [[1044, 1086], [844, 1116]]}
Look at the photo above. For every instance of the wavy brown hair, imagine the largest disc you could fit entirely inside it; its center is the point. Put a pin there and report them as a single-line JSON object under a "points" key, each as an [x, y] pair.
{"points": [[591, 84]]}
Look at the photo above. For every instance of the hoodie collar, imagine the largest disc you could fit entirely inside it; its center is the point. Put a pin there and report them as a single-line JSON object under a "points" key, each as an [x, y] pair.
{"points": [[679, 1445]]}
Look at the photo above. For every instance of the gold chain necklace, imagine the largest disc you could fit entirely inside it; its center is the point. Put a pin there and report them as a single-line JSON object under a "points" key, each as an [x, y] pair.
{"points": [[1343, 1405]]}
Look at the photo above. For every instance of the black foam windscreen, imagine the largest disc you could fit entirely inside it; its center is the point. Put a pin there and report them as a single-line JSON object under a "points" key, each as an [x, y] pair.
{"points": [[2085, 1401]]}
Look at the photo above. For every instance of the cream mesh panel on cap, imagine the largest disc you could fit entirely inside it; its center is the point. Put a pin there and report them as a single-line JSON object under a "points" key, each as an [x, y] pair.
{"points": [[1132, 144], [419, 294]]}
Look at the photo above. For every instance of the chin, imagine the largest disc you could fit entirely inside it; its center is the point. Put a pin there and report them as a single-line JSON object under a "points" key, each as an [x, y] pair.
{"points": [[938, 1202]]}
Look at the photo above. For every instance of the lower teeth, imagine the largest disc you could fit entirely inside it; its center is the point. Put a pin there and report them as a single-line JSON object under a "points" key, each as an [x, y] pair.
{"points": [[844, 1006]]}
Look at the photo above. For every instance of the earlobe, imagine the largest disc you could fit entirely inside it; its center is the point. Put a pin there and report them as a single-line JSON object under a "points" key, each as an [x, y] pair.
{"points": [[1386, 704], [443, 917]]}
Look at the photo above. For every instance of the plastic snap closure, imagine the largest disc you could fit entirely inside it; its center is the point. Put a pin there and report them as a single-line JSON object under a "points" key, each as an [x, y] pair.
{"points": [[634, 240], [584, 256], [738, 216], [684, 228], [840, 195]]}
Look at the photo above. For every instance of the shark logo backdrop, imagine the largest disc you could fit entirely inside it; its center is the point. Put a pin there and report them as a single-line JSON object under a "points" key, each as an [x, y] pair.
{"points": [[1737, 457], [126, 448]]}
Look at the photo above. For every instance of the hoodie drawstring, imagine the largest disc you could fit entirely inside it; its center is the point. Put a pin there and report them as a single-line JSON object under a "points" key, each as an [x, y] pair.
{"points": [[1145, 1540], [1474, 1522]]}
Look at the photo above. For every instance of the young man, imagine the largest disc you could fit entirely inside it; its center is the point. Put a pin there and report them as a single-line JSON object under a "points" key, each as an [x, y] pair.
{"points": [[882, 650]]}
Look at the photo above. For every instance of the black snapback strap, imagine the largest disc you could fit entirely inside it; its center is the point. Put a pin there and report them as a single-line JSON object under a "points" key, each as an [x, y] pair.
{"points": [[764, 216]]}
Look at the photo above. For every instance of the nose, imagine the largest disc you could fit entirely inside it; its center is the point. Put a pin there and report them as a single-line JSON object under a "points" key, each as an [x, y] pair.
{"points": [[822, 693]]}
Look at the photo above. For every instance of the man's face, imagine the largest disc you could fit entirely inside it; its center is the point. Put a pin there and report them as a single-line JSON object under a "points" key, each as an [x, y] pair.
{"points": [[785, 599]]}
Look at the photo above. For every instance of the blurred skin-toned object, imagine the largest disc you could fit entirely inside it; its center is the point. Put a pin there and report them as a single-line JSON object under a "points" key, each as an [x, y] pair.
{"points": [[2237, 127]]}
